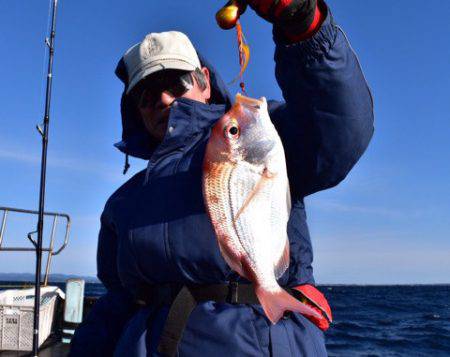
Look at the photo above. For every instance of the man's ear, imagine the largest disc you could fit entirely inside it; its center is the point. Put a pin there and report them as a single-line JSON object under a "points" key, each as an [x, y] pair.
{"points": [[207, 91]]}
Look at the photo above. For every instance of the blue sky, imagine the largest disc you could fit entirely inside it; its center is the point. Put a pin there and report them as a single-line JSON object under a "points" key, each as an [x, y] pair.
{"points": [[388, 222]]}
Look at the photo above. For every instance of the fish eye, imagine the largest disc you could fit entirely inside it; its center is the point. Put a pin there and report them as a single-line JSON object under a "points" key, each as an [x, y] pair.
{"points": [[232, 131]]}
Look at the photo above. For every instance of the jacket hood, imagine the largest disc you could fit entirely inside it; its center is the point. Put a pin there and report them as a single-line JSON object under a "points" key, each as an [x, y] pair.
{"points": [[136, 141]]}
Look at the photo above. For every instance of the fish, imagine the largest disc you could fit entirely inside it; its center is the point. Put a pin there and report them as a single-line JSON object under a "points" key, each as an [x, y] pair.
{"points": [[247, 197]]}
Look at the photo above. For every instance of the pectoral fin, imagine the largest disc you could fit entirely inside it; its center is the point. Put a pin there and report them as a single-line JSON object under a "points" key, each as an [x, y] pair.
{"points": [[265, 177]]}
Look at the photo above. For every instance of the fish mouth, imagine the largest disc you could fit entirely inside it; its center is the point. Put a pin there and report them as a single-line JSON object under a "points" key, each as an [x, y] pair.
{"points": [[256, 153]]}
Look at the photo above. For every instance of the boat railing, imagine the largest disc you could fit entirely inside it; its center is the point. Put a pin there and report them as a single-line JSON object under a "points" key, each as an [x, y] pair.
{"points": [[50, 249]]}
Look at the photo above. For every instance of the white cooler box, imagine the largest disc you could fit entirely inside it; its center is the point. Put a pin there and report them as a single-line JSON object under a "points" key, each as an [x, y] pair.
{"points": [[16, 317]]}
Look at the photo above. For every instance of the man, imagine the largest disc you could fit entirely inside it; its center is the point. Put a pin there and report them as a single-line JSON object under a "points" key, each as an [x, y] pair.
{"points": [[169, 290]]}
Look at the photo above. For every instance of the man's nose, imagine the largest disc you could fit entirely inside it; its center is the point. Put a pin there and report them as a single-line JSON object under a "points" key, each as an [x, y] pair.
{"points": [[167, 98]]}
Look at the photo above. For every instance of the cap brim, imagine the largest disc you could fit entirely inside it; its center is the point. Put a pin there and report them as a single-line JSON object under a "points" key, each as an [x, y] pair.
{"points": [[160, 66]]}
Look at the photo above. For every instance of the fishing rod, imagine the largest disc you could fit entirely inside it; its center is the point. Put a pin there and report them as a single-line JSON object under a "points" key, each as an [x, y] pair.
{"points": [[43, 131]]}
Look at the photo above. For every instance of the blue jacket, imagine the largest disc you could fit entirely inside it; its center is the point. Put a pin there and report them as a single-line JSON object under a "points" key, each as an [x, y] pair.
{"points": [[157, 231]]}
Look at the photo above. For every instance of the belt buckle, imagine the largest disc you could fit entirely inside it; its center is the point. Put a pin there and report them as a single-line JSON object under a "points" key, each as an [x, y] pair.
{"points": [[233, 292]]}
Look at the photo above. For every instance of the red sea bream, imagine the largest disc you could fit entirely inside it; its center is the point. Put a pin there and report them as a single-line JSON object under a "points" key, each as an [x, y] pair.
{"points": [[246, 191]]}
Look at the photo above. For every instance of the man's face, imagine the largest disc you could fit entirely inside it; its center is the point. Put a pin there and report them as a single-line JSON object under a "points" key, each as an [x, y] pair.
{"points": [[162, 88]]}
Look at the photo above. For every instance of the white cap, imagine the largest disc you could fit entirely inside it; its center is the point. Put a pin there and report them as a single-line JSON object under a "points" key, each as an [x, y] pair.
{"points": [[158, 51]]}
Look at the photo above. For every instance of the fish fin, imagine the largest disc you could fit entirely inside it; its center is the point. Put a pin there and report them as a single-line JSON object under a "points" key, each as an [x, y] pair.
{"points": [[232, 258], [276, 302], [266, 175], [283, 263], [250, 196]]}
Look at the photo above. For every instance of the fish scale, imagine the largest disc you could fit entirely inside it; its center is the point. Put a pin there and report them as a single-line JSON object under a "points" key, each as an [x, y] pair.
{"points": [[252, 225], [216, 188]]}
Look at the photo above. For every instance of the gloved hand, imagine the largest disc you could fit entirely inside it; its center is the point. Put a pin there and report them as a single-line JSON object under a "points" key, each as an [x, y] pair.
{"points": [[293, 17]]}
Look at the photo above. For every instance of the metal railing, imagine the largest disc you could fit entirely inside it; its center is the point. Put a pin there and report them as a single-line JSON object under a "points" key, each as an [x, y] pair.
{"points": [[50, 249]]}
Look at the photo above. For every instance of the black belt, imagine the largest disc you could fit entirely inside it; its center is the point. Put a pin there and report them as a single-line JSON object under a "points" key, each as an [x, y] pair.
{"points": [[157, 295], [183, 300]]}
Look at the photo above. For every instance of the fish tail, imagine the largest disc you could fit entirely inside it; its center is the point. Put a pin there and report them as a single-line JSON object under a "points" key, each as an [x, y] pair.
{"points": [[276, 302]]}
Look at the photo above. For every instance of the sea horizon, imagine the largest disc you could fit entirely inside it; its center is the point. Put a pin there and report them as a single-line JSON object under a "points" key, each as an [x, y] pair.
{"points": [[61, 277]]}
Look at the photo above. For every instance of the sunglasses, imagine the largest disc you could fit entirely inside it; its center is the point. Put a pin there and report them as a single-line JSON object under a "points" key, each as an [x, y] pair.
{"points": [[174, 82]]}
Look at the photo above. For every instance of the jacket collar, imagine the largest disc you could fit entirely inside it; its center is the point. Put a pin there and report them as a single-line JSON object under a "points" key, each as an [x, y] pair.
{"points": [[187, 119]]}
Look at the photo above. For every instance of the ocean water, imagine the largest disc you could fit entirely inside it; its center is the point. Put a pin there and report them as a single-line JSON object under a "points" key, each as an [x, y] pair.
{"points": [[381, 320], [389, 320]]}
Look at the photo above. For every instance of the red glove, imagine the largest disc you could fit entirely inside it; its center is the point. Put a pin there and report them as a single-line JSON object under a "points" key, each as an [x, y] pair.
{"points": [[310, 295], [298, 19]]}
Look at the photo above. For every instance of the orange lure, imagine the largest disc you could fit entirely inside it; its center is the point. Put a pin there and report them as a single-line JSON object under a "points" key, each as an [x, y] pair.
{"points": [[228, 17]]}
